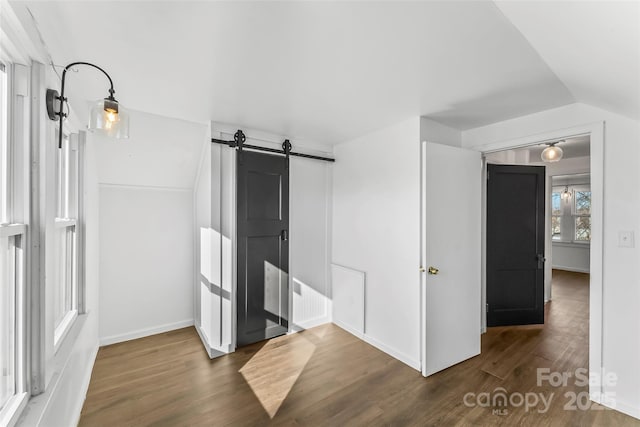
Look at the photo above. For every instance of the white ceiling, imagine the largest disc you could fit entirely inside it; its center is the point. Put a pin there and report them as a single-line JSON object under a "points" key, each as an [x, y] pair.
{"points": [[330, 71], [592, 46]]}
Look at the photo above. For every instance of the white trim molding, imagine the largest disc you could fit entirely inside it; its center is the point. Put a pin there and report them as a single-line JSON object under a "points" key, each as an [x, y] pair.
{"points": [[141, 333], [407, 360]]}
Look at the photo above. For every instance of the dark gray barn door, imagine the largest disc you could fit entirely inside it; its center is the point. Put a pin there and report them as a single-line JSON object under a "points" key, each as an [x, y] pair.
{"points": [[515, 245], [263, 246]]}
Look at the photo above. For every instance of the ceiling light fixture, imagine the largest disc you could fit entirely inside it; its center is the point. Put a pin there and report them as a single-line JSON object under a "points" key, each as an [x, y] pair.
{"points": [[107, 115], [552, 154]]}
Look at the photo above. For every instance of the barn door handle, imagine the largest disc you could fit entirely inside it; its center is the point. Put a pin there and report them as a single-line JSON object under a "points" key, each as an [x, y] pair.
{"points": [[284, 235]]}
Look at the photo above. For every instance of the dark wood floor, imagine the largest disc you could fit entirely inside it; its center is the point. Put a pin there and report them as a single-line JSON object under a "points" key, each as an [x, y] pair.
{"points": [[325, 376]]}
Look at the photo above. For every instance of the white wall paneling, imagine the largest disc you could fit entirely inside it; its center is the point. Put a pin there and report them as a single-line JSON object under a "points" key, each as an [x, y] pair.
{"points": [[571, 257], [348, 299], [309, 244]]}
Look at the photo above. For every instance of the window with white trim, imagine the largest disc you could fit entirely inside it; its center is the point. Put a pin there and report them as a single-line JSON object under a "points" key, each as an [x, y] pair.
{"points": [[571, 213], [13, 387], [65, 295], [582, 214]]}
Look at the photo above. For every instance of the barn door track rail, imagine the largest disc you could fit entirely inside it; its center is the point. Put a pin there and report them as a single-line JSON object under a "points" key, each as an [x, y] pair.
{"points": [[239, 139]]}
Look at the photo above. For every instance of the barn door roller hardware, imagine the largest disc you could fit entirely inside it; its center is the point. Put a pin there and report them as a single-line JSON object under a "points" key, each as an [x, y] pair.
{"points": [[239, 139]]}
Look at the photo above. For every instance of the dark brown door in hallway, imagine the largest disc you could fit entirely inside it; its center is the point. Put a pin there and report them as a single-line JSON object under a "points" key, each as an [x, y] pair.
{"points": [[515, 245]]}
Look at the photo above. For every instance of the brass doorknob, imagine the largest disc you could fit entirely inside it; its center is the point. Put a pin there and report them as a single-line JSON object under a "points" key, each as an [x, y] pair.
{"points": [[433, 270]]}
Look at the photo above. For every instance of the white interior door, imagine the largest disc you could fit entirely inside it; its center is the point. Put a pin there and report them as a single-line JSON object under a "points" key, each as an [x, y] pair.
{"points": [[451, 243]]}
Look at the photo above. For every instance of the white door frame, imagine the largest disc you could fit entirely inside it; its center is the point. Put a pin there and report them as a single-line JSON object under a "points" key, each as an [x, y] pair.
{"points": [[596, 133]]}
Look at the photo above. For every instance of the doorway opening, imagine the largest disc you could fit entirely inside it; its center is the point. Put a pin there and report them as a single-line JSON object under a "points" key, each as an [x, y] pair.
{"points": [[567, 211], [572, 250], [437, 334]]}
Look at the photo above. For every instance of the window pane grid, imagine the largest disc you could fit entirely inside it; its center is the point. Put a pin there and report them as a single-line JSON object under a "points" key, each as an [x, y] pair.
{"points": [[583, 202], [583, 228], [8, 284], [65, 298], [571, 216], [4, 150], [556, 227]]}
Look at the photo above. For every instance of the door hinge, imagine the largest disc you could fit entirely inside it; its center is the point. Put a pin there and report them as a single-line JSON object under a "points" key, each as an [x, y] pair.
{"points": [[284, 235], [487, 175], [487, 307]]}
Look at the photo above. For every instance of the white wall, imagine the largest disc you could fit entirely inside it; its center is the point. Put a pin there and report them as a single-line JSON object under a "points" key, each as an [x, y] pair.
{"points": [[376, 230], [309, 231], [571, 257], [621, 274], [146, 261], [146, 227]]}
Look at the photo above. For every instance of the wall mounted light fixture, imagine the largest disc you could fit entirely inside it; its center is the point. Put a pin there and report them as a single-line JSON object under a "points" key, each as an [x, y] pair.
{"points": [[566, 194], [552, 153], [107, 115]]}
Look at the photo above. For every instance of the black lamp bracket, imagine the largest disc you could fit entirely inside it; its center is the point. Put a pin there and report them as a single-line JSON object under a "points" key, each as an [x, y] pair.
{"points": [[53, 99]]}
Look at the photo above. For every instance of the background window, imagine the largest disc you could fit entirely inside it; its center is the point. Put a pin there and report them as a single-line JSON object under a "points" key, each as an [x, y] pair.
{"points": [[556, 216], [582, 216], [571, 214]]}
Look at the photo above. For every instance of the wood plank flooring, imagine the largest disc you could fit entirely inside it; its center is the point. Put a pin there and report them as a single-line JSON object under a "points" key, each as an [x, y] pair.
{"points": [[326, 377]]}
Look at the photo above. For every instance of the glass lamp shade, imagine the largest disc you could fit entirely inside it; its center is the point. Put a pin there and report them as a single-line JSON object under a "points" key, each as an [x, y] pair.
{"points": [[551, 154], [111, 120]]}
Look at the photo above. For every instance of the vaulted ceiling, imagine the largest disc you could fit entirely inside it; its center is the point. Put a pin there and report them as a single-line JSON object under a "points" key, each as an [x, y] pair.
{"points": [[330, 71]]}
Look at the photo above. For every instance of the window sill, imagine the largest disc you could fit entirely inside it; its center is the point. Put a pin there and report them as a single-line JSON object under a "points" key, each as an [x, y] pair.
{"points": [[583, 245], [11, 412], [63, 328], [8, 230], [64, 222]]}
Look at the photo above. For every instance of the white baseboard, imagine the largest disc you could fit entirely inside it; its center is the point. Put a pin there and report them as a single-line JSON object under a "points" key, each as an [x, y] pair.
{"points": [[141, 333], [211, 351], [572, 269], [415, 364], [626, 408], [310, 323]]}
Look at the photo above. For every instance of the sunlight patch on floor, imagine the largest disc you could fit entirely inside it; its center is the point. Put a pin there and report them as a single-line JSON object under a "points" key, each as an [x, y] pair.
{"points": [[274, 369]]}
